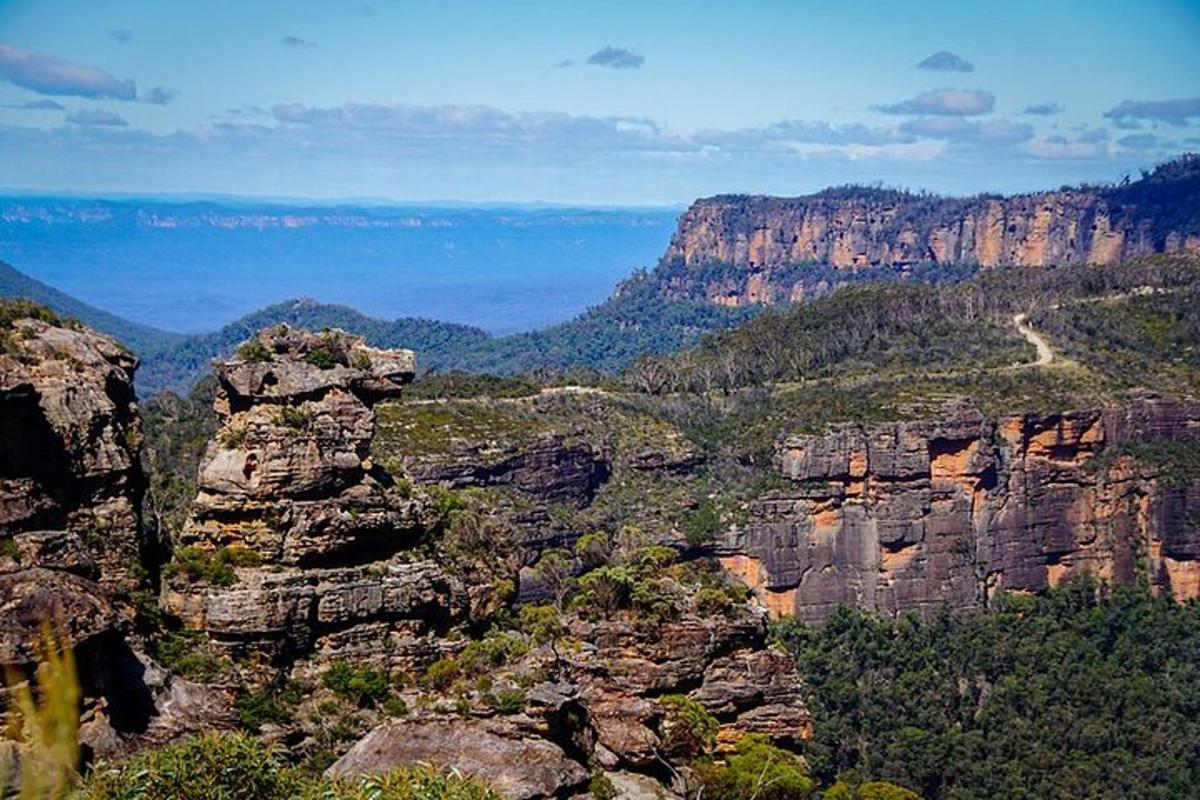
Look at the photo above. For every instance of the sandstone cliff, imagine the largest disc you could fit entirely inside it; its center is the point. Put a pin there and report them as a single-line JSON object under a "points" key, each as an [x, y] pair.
{"points": [[913, 515], [765, 238]]}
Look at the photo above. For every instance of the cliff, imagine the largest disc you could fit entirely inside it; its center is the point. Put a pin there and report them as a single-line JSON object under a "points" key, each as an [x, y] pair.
{"points": [[764, 238], [911, 516]]}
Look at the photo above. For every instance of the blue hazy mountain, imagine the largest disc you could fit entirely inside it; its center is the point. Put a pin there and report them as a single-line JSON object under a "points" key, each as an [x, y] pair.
{"points": [[195, 266]]}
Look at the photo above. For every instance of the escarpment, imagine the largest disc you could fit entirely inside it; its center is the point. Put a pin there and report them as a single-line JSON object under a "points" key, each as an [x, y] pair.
{"points": [[762, 241], [903, 516]]}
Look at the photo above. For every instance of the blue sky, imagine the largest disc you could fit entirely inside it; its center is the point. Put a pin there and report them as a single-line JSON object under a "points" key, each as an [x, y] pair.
{"points": [[588, 103]]}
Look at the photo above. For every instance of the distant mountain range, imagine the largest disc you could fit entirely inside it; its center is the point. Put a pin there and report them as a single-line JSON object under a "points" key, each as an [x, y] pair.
{"points": [[729, 257]]}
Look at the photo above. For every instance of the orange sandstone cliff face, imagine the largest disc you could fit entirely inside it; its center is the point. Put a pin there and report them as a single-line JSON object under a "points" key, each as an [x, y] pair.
{"points": [[907, 516], [856, 228]]}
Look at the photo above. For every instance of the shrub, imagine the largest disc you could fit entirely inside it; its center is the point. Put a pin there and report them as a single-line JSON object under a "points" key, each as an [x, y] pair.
{"points": [[442, 673], [600, 787], [292, 417], [703, 525], [189, 653], [254, 351], [255, 709], [593, 549], [687, 726], [321, 357], [541, 623], [507, 701], [214, 566], [364, 686], [417, 782], [211, 766], [756, 771], [233, 438]]}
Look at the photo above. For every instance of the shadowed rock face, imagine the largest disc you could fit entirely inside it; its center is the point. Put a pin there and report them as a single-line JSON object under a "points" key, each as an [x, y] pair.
{"points": [[69, 429], [913, 515]]}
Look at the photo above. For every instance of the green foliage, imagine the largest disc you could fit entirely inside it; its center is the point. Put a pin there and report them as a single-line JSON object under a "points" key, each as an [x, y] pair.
{"points": [[254, 351], [416, 782], [293, 417], [442, 674], [541, 623], [458, 384], [211, 766], [362, 685], [321, 357], [756, 771], [703, 525], [13, 310], [176, 432], [507, 701], [688, 728], [257, 708], [871, 790], [212, 566], [1079, 693], [600, 787], [190, 654]]}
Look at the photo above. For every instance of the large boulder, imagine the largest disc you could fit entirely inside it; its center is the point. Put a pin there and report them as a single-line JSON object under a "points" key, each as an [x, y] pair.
{"points": [[522, 767]]}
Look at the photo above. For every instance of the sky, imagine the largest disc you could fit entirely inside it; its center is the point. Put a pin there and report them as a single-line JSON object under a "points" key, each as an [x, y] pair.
{"points": [[653, 102]]}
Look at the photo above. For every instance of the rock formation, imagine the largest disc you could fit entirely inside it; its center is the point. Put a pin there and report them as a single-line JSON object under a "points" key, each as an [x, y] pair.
{"points": [[913, 515], [764, 238], [69, 433], [305, 528]]}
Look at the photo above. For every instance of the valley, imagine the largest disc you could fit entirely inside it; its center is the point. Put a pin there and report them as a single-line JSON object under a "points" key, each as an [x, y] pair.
{"points": [[922, 531]]}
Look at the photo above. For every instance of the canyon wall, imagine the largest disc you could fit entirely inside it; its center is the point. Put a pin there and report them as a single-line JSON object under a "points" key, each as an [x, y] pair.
{"points": [[764, 238], [911, 516]]}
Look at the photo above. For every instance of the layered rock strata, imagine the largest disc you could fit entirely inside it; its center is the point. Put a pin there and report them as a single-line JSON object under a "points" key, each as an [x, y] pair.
{"points": [[915, 515], [315, 535], [69, 432], [857, 227]]}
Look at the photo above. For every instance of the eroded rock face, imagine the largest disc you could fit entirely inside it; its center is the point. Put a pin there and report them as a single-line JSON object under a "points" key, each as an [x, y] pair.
{"points": [[912, 515], [855, 228], [69, 430], [288, 483]]}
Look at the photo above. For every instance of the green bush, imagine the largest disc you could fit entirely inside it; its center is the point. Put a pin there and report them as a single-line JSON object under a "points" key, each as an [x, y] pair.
{"points": [[442, 673], [600, 787], [257, 708], [687, 727], [190, 654], [214, 566], [254, 351], [322, 357], [417, 782], [238, 767], [703, 525], [756, 771], [208, 767], [507, 701], [364, 686]]}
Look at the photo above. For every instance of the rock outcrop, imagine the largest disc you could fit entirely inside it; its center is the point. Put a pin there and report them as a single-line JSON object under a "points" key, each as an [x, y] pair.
{"points": [[764, 238], [915, 515], [69, 433], [313, 534]]}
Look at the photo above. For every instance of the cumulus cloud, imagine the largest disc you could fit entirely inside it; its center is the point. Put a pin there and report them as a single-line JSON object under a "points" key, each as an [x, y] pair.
{"points": [[121, 35], [96, 116], [1043, 109], [297, 43], [948, 102], [805, 132], [945, 61], [38, 105], [47, 74], [1143, 141], [160, 95], [1172, 112], [992, 132], [616, 58]]}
